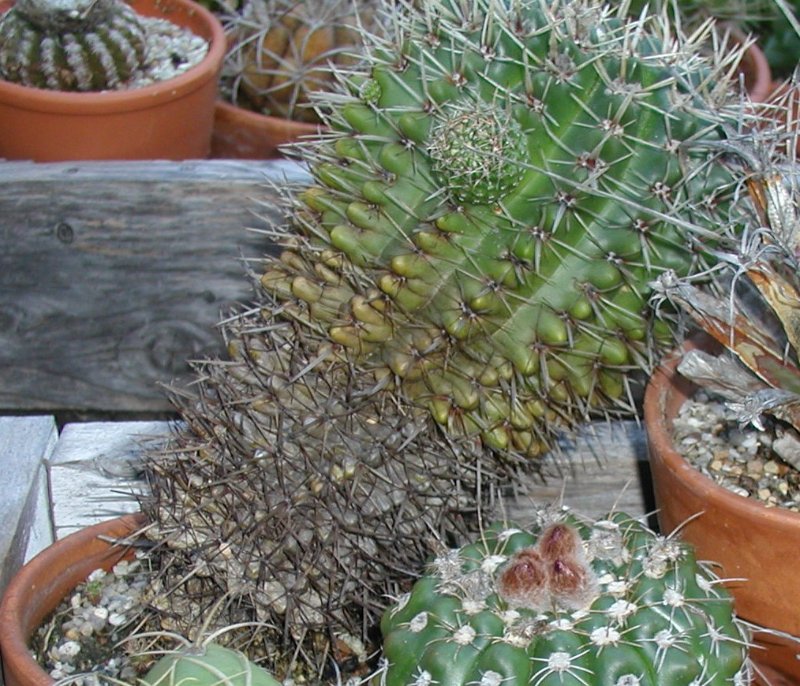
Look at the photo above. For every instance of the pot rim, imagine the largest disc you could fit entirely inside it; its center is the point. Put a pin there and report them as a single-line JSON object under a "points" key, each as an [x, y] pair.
{"points": [[72, 103], [42, 574], [665, 381]]}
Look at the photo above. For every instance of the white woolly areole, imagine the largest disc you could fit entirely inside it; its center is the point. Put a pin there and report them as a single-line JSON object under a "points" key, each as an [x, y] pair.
{"points": [[473, 606], [492, 562], [605, 636], [665, 639], [465, 635], [620, 610], [673, 598], [628, 680], [491, 678], [418, 623], [423, 679], [559, 661]]}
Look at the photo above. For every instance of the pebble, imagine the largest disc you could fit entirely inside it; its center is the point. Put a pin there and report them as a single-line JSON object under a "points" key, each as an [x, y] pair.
{"points": [[741, 459]]}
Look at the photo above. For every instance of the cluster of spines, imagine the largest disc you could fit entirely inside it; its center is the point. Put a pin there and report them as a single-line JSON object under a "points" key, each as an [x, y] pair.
{"points": [[92, 49]]}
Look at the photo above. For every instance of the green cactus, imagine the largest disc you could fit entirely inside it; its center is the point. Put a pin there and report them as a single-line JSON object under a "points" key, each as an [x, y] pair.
{"points": [[71, 45], [606, 602], [207, 664], [500, 188]]}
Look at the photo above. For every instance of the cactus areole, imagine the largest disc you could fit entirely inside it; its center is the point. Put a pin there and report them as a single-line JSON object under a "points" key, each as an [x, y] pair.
{"points": [[606, 602], [498, 190]]}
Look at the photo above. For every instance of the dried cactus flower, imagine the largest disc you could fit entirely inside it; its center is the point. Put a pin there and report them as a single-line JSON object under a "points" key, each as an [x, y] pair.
{"points": [[637, 610], [71, 45]]}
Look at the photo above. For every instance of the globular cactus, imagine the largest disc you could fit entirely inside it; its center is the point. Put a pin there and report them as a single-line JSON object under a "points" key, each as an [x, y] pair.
{"points": [[285, 50], [71, 45], [499, 189], [207, 664], [605, 602]]}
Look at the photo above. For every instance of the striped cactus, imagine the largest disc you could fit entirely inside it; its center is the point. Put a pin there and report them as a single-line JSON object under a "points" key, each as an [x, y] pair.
{"points": [[71, 45]]}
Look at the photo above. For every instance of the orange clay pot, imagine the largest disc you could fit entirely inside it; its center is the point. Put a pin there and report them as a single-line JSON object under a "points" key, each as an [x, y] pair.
{"points": [[167, 120], [40, 586], [243, 134], [758, 548]]}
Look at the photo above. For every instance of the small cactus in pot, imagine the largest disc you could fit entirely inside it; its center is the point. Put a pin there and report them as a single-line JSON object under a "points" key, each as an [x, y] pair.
{"points": [[71, 45], [569, 602]]}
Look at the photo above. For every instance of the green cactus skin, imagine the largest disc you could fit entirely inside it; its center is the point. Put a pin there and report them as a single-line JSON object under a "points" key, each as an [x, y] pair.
{"points": [[607, 602], [498, 193], [71, 46], [207, 665]]}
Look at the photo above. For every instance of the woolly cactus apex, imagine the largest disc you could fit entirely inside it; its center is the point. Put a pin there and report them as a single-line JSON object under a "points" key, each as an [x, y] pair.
{"points": [[501, 187], [207, 665], [71, 45], [606, 602]]}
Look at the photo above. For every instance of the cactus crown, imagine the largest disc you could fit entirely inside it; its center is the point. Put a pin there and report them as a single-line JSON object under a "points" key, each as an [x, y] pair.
{"points": [[71, 45]]}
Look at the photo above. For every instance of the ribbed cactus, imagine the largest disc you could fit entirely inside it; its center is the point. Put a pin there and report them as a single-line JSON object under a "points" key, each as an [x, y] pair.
{"points": [[71, 45], [497, 192], [573, 602], [285, 50], [207, 664]]}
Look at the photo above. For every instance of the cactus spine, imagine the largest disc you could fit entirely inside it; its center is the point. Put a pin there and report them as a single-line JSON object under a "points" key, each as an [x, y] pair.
{"points": [[71, 45], [573, 602]]}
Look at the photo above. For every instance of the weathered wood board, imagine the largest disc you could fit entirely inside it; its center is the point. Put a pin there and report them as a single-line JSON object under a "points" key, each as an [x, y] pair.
{"points": [[113, 275], [25, 513]]}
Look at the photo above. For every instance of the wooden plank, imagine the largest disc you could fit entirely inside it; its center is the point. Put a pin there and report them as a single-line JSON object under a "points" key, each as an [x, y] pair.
{"points": [[605, 467], [95, 473], [113, 275], [25, 444]]}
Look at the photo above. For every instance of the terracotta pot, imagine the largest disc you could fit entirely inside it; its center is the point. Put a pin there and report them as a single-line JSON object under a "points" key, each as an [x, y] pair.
{"points": [[755, 546], [757, 74], [40, 586], [243, 134], [167, 120]]}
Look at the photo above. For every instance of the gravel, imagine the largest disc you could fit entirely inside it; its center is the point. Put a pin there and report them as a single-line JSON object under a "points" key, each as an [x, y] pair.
{"points": [[81, 640], [742, 459], [171, 50]]}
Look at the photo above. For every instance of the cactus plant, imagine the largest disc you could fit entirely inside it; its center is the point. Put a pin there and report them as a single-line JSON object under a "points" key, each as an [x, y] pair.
{"points": [[282, 51], [500, 187], [750, 303], [468, 272], [71, 45], [207, 664], [571, 602]]}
